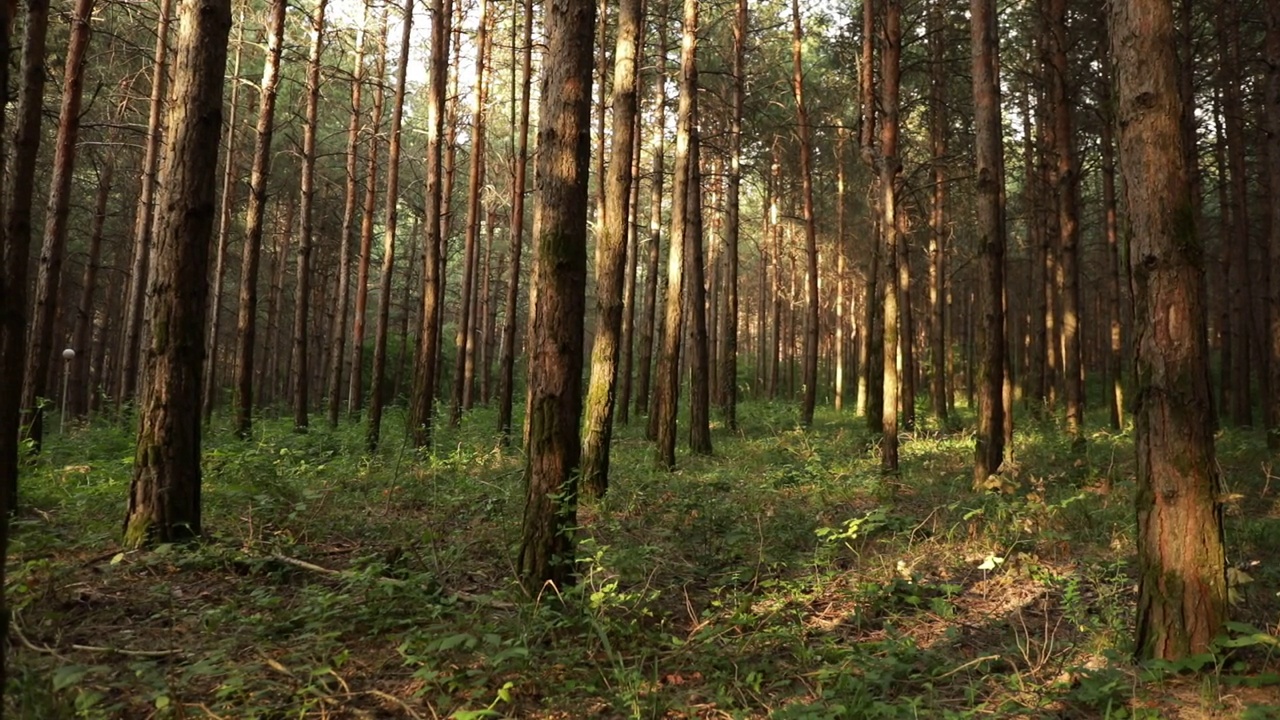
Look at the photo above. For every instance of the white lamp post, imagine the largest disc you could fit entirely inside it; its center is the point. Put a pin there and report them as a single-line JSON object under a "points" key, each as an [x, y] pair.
{"points": [[68, 355]]}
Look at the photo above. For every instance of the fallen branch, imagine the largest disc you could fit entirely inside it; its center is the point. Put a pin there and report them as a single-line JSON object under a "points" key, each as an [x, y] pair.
{"points": [[45, 649], [460, 595]]}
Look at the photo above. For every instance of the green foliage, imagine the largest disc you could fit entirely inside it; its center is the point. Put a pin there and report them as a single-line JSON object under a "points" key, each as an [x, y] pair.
{"points": [[783, 577]]}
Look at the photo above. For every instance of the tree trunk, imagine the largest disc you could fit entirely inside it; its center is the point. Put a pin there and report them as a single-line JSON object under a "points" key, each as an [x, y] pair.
{"points": [[1111, 230], [389, 223], [648, 316], [164, 497], [552, 445], [667, 396], [421, 412], [625, 372], [54, 248], [732, 223], [890, 167], [1273, 166], [938, 125], [230, 180], [81, 390], [355, 388], [611, 256], [699, 348], [1063, 177], [247, 321], [506, 372], [142, 252], [307, 194], [989, 451], [1182, 593], [810, 227], [464, 369]]}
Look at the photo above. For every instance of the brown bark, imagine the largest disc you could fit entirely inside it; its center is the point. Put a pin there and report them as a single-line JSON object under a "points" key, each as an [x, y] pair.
{"points": [[338, 333], [230, 180], [1063, 178], [732, 223], [667, 379], [355, 387], [938, 121], [12, 330], [625, 372], [389, 223], [307, 195], [506, 371], [464, 369], [1273, 168], [1182, 594], [695, 285], [890, 167], [1111, 230], [53, 250], [164, 497], [422, 407], [810, 362], [648, 316], [989, 451], [558, 304], [611, 256], [247, 321], [135, 306], [81, 389]]}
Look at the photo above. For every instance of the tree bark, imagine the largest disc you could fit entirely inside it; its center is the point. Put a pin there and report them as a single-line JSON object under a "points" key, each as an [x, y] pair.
{"points": [[506, 372], [307, 195], [164, 497], [1273, 166], [422, 408], [732, 222], [552, 444], [890, 167], [667, 395], [810, 366], [1111, 230], [989, 450], [355, 388], [53, 250], [648, 316], [611, 256], [247, 321], [695, 286], [135, 306], [390, 219], [1182, 593], [81, 390], [938, 122], [230, 180]]}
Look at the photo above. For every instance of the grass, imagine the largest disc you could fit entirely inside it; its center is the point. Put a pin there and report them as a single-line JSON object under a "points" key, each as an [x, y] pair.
{"points": [[782, 577]]}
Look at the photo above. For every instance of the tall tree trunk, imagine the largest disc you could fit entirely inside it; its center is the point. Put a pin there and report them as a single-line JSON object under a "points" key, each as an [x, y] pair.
{"points": [[989, 451], [81, 389], [648, 316], [338, 333], [135, 305], [307, 195], [464, 369], [625, 372], [1240, 278], [230, 180], [247, 321], [810, 224], [695, 286], [422, 407], [506, 372], [842, 272], [1111, 230], [938, 125], [1182, 593], [1273, 167], [390, 219], [552, 445], [1063, 175], [732, 223], [890, 167], [164, 497], [611, 256], [355, 388], [54, 247]]}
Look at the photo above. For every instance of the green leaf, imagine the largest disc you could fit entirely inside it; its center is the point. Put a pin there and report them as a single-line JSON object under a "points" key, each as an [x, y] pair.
{"points": [[162, 702], [68, 675]]}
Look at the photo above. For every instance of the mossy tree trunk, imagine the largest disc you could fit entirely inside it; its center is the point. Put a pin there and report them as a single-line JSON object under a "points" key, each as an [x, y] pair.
{"points": [[164, 497], [890, 166], [1182, 595], [552, 444]]}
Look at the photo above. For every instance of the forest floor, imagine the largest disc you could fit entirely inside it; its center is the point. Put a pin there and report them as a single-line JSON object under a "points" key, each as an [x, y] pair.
{"points": [[783, 577]]}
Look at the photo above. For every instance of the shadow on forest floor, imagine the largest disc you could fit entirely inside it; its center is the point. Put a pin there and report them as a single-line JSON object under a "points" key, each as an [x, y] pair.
{"points": [[784, 577]]}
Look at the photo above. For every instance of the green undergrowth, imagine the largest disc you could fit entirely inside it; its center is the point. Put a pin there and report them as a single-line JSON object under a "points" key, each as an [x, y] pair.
{"points": [[784, 576]]}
